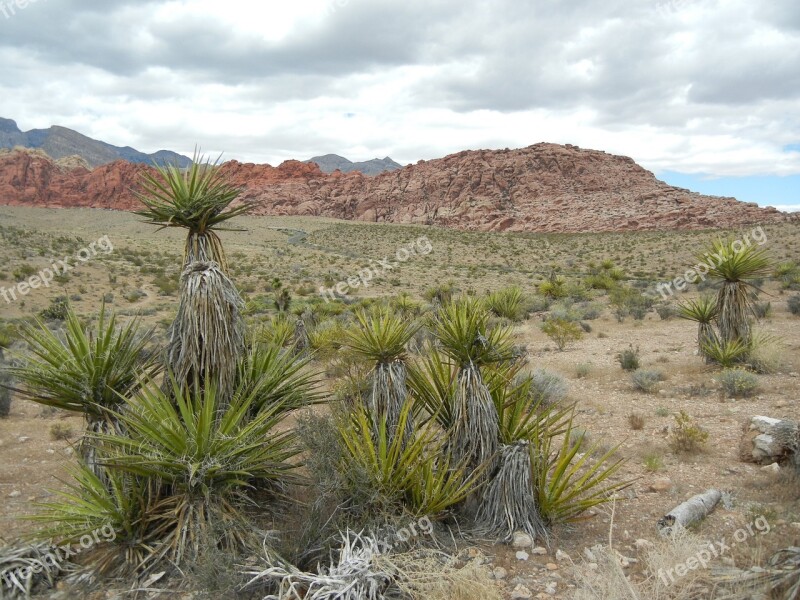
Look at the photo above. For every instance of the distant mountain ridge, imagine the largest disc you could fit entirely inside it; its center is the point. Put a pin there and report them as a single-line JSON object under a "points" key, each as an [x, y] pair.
{"points": [[59, 142], [328, 163]]}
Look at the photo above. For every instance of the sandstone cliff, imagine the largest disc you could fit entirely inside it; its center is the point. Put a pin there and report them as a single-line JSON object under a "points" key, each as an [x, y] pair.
{"points": [[544, 188]]}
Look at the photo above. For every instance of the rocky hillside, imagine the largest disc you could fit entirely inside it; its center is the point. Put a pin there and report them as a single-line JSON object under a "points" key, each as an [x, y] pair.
{"points": [[543, 188], [60, 142], [329, 163]]}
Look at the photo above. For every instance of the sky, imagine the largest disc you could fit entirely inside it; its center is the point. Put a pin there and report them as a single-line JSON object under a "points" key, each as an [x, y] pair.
{"points": [[704, 93]]}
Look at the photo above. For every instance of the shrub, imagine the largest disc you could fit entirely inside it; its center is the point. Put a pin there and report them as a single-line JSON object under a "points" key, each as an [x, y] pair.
{"points": [[562, 332], [762, 310], [794, 305], [548, 387], [725, 352], [24, 271], [687, 436], [636, 421], [767, 353], [653, 461], [507, 303], [646, 380], [166, 285], [629, 359], [58, 309], [738, 383], [582, 370], [665, 311], [61, 431]]}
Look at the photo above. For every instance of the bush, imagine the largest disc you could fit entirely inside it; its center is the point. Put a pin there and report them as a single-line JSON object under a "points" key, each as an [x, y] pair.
{"points": [[665, 311], [646, 380], [58, 309], [547, 386], [794, 305], [762, 310], [636, 421], [562, 332], [629, 359], [767, 353], [687, 436], [166, 285], [582, 370], [507, 303], [61, 431], [738, 383]]}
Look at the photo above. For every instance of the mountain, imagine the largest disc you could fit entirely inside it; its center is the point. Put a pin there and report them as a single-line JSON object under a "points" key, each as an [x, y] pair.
{"points": [[59, 142], [541, 188], [331, 162]]}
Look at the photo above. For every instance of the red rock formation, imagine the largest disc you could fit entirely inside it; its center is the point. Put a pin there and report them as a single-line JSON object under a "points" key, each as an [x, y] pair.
{"points": [[545, 188]]}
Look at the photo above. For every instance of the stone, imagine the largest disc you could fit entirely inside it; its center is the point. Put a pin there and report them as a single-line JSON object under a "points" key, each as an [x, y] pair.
{"points": [[522, 555], [551, 588], [499, 573], [662, 484], [15, 494], [521, 593], [642, 544], [522, 540], [551, 567], [561, 555], [773, 468], [539, 550]]}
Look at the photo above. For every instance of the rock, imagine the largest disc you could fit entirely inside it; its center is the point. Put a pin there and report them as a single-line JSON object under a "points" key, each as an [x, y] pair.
{"points": [[522, 555], [23, 439], [15, 494], [499, 573], [551, 588], [551, 567], [662, 484], [795, 525], [561, 555], [522, 540], [521, 593], [773, 468], [541, 188], [539, 550]]}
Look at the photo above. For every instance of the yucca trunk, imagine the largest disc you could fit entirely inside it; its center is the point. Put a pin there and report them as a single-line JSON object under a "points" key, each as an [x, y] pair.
{"points": [[206, 339], [106, 425], [733, 318], [300, 339], [509, 502], [204, 247], [476, 426], [387, 398]]}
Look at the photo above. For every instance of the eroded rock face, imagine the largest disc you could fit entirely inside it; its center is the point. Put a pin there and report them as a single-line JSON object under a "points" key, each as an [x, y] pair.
{"points": [[542, 188]]}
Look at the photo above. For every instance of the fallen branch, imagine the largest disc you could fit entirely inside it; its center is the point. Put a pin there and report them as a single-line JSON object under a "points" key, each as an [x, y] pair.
{"points": [[694, 510]]}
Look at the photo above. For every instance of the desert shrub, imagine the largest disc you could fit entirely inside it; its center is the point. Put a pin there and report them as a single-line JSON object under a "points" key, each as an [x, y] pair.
{"points": [[548, 387], [61, 431], [652, 461], [628, 301], [636, 421], [665, 311], [726, 353], [738, 383], [24, 271], [582, 370], [166, 285], [794, 305], [767, 353], [440, 294], [554, 287], [762, 310], [646, 380], [686, 435], [629, 359], [562, 332], [58, 309]]}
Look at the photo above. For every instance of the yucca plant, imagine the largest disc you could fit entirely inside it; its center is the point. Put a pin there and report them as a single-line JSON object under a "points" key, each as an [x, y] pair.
{"points": [[88, 370], [206, 339], [197, 199], [380, 337], [432, 382], [702, 311], [206, 455], [569, 481], [462, 331], [735, 267], [507, 303], [725, 353], [412, 474], [273, 376]]}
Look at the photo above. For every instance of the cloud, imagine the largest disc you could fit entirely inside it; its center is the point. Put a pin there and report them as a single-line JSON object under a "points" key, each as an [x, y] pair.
{"points": [[697, 86]]}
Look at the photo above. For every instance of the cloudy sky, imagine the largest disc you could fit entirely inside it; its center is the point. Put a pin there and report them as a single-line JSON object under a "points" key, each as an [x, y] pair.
{"points": [[705, 93]]}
